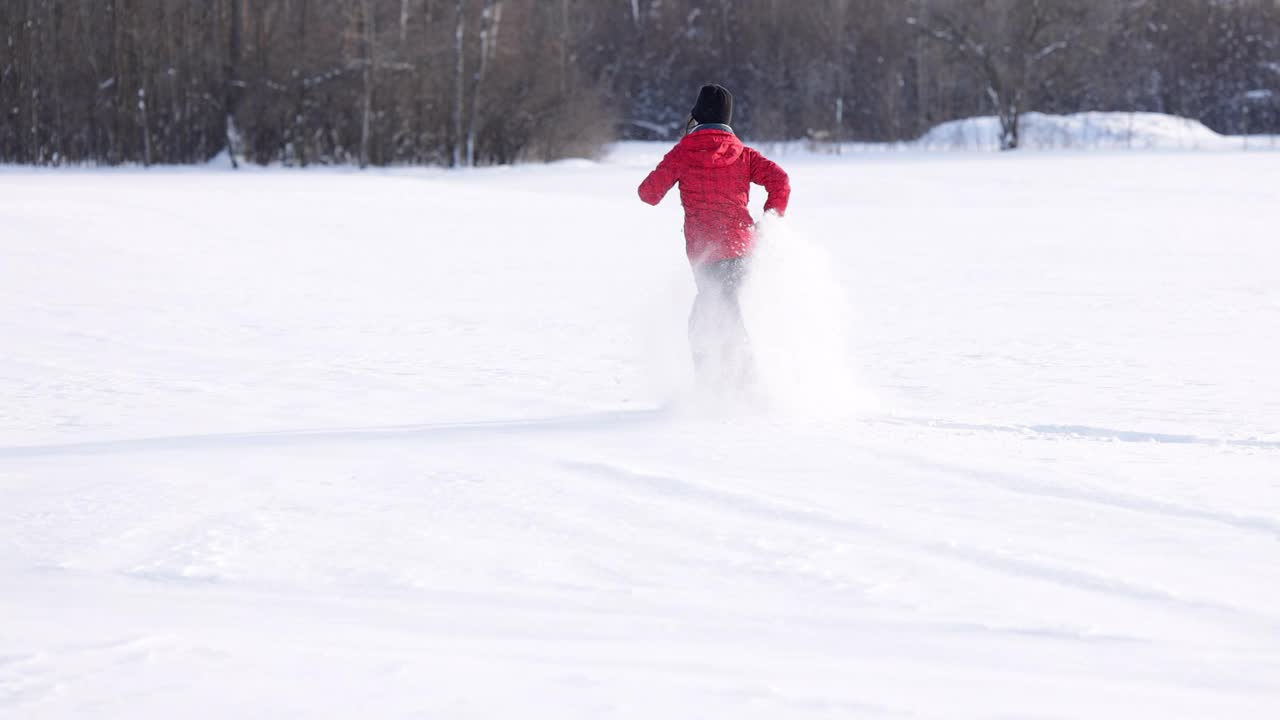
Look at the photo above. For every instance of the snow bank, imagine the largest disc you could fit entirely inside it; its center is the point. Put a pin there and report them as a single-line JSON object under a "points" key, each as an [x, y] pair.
{"points": [[1095, 130]]}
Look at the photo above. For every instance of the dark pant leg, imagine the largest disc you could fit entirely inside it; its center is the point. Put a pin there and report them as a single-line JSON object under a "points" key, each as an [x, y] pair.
{"points": [[717, 333]]}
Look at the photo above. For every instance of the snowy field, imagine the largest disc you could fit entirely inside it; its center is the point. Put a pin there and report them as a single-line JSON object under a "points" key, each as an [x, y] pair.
{"points": [[421, 444]]}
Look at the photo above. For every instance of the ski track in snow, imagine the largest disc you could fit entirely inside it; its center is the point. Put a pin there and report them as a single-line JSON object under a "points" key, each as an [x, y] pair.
{"points": [[316, 455], [443, 432], [821, 523]]}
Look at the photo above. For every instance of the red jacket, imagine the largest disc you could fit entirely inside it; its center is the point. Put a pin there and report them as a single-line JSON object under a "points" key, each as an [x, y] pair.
{"points": [[715, 171]]}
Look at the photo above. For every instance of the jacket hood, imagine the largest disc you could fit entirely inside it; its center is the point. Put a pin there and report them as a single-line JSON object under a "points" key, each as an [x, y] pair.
{"points": [[712, 148]]}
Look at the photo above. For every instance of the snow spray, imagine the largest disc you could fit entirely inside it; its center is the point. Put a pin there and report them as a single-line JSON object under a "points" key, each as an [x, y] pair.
{"points": [[799, 321]]}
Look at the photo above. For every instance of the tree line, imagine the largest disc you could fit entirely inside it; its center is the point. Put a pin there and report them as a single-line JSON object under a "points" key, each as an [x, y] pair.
{"points": [[467, 82]]}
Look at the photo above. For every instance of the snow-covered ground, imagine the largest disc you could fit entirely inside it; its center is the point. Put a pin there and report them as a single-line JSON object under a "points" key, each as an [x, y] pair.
{"points": [[420, 444]]}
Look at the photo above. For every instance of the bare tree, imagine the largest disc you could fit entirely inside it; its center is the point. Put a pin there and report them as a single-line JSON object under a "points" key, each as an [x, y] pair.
{"points": [[459, 82], [1011, 45], [366, 74], [490, 21], [233, 84]]}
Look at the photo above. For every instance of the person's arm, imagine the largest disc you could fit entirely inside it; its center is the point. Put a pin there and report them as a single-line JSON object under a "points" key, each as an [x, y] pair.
{"points": [[775, 181], [661, 180]]}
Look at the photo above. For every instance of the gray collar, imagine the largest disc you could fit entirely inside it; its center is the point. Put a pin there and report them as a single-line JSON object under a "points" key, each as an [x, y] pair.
{"points": [[711, 126]]}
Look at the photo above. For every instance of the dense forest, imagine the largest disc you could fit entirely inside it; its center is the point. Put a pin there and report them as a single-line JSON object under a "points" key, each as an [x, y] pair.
{"points": [[463, 82]]}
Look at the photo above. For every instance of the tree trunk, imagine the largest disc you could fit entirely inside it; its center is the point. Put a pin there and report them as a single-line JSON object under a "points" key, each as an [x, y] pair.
{"points": [[564, 48], [146, 126], [301, 142], [1009, 131], [404, 22], [489, 21], [459, 79], [1010, 114], [231, 91], [366, 46]]}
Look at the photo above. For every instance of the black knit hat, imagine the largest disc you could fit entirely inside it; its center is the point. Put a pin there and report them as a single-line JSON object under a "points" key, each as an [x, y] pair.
{"points": [[715, 105]]}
